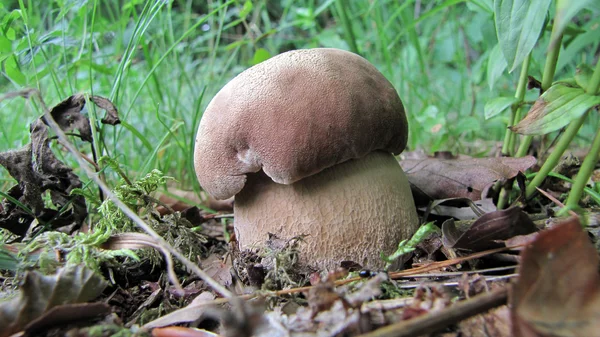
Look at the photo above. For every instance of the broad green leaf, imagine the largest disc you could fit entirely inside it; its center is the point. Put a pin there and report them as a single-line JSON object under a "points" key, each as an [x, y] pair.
{"points": [[8, 19], [588, 39], [518, 25], [497, 105], [466, 124], [565, 11], [260, 55], [12, 71], [5, 45], [583, 74], [485, 5], [556, 108], [11, 34], [496, 65]]}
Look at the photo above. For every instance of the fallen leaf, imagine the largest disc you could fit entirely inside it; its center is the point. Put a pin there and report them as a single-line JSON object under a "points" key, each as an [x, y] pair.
{"points": [[495, 323], [489, 230], [427, 299], [462, 208], [180, 200], [217, 269], [199, 306], [37, 170], [470, 178], [178, 331], [38, 294], [68, 116], [558, 289], [67, 313]]}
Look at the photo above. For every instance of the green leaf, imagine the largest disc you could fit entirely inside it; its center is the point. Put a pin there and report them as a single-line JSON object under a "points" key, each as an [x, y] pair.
{"points": [[565, 11], [583, 74], [260, 55], [247, 9], [12, 71], [518, 25], [7, 21], [556, 108], [466, 124], [496, 65], [5, 45], [8, 260], [497, 105], [575, 48]]}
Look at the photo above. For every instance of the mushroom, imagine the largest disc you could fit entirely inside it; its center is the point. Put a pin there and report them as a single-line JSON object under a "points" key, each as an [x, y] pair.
{"points": [[306, 142]]}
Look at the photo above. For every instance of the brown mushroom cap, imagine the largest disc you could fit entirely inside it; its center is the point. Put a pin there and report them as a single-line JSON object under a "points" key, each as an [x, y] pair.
{"points": [[295, 115]]}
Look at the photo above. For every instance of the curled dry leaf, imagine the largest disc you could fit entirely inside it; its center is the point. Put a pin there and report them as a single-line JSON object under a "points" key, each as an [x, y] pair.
{"points": [[558, 289], [454, 178], [489, 230], [68, 116], [39, 293], [194, 311], [112, 115], [37, 170]]}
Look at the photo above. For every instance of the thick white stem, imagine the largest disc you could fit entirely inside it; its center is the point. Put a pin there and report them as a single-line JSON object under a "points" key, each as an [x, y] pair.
{"points": [[352, 212]]}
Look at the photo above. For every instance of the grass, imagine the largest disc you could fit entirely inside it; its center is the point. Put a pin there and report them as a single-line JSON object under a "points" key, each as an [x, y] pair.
{"points": [[161, 62]]}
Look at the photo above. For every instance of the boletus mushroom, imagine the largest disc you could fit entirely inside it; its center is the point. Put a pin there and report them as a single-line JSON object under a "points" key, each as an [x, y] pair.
{"points": [[306, 142]]}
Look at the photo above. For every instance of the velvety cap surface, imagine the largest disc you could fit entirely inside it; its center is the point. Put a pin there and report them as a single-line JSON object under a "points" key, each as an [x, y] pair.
{"points": [[293, 116]]}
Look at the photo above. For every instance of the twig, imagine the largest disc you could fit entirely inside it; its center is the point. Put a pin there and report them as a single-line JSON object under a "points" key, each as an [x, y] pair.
{"points": [[435, 321], [126, 210], [556, 201]]}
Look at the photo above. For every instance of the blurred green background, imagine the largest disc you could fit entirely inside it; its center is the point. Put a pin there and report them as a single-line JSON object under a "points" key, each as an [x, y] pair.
{"points": [[161, 62]]}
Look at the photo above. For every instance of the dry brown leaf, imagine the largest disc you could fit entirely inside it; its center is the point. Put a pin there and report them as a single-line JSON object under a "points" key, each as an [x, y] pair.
{"points": [[68, 116], [112, 115], [487, 231], [39, 293], [37, 170], [495, 323], [189, 313], [180, 200], [558, 290], [443, 179], [218, 269], [65, 314]]}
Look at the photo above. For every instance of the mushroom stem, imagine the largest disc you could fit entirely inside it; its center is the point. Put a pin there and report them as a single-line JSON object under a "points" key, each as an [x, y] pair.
{"points": [[351, 212]]}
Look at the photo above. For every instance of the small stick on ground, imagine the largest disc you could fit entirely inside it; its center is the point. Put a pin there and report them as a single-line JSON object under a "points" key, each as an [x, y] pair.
{"points": [[432, 322]]}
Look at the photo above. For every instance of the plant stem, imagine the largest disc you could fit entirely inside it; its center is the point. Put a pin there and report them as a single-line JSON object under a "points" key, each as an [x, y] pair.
{"points": [[586, 169], [594, 83], [507, 147], [340, 6], [547, 78], [585, 172], [566, 138], [554, 157]]}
